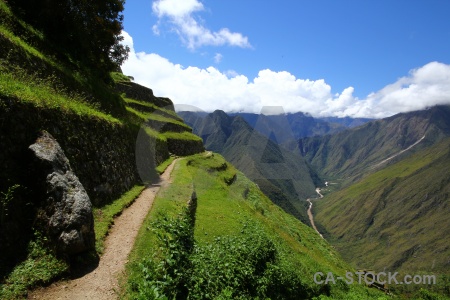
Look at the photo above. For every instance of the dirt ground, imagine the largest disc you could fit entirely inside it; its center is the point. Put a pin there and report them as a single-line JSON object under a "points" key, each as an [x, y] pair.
{"points": [[102, 282]]}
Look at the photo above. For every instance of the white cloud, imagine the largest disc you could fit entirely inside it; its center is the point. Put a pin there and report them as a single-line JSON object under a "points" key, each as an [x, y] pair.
{"points": [[209, 89], [180, 14], [231, 73], [218, 58]]}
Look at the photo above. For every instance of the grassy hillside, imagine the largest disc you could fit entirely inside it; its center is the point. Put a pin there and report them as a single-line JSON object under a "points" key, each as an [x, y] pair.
{"points": [[395, 219], [233, 243]]}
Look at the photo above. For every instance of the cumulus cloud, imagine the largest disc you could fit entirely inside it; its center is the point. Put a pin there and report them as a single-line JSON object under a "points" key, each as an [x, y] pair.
{"points": [[181, 17], [210, 89]]}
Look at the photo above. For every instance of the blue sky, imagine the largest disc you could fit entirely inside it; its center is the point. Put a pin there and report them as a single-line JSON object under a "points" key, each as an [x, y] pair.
{"points": [[358, 58]]}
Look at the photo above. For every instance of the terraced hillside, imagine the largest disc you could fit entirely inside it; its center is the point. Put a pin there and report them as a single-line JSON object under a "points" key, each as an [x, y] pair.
{"points": [[112, 143]]}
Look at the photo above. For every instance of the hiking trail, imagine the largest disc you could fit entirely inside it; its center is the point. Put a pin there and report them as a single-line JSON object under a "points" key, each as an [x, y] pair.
{"points": [[103, 281]]}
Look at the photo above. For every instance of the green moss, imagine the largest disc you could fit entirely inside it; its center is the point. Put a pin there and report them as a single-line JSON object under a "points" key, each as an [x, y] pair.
{"points": [[153, 107], [119, 77], [146, 116]]}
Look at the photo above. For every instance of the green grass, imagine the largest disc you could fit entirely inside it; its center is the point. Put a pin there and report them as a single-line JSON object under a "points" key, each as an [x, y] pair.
{"points": [[22, 44], [146, 116], [168, 201], [40, 267], [181, 136], [119, 77], [39, 92], [224, 212], [163, 166], [154, 107], [8, 16], [30, 52], [104, 216]]}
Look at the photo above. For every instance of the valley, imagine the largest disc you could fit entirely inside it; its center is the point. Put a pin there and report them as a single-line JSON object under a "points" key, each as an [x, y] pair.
{"points": [[108, 192], [309, 211], [385, 209]]}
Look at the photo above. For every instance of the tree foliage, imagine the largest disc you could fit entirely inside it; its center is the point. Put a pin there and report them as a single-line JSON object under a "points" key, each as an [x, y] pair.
{"points": [[88, 31]]}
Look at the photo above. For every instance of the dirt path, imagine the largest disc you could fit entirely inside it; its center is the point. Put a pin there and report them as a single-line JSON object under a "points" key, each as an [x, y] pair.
{"points": [[397, 154], [102, 282], [310, 215]]}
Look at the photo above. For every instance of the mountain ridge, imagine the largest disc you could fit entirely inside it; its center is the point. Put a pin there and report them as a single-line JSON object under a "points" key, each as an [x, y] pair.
{"points": [[351, 152], [403, 206]]}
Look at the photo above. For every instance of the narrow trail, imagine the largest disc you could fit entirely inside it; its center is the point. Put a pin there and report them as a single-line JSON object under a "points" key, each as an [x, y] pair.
{"points": [[397, 154], [310, 215], [102, 282]]}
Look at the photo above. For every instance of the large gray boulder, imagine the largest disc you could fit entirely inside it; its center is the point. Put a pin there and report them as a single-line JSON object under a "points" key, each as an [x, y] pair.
{"points": [[66, 213]]}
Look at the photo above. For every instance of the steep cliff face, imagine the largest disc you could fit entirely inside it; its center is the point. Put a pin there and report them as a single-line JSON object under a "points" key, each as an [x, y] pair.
{"points": [[114, 135]]}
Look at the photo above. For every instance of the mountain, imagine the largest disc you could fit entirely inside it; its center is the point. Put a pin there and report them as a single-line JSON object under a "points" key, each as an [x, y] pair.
{"points": [[395, 219], [346, 121], [283, 176], [288, 127], [354, 152]]}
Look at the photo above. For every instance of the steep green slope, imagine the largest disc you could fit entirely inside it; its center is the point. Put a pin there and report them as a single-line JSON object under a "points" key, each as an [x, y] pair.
{"points": [[283, 176], [234, 243], [395, 219], [357, 151], [42, 88]]}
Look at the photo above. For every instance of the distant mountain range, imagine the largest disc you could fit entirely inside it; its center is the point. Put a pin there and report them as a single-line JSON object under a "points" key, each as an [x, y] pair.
{"points": [[386, 203], [354, 152], [282, 128], [391, 210]]}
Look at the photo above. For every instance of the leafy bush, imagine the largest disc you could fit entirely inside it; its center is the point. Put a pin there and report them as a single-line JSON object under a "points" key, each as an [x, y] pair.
{"points": [[166, 272], [244, 266]]}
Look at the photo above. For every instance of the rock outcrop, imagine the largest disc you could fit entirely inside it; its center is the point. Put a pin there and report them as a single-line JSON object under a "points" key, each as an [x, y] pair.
{"points": [[66, 213]]}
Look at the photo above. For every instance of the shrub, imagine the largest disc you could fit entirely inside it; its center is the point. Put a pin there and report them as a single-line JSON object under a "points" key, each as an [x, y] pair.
{"points": [[244, 266]]}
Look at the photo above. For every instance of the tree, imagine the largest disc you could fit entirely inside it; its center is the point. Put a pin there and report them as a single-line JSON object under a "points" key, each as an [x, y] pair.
{"points": [[87, 30]]}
